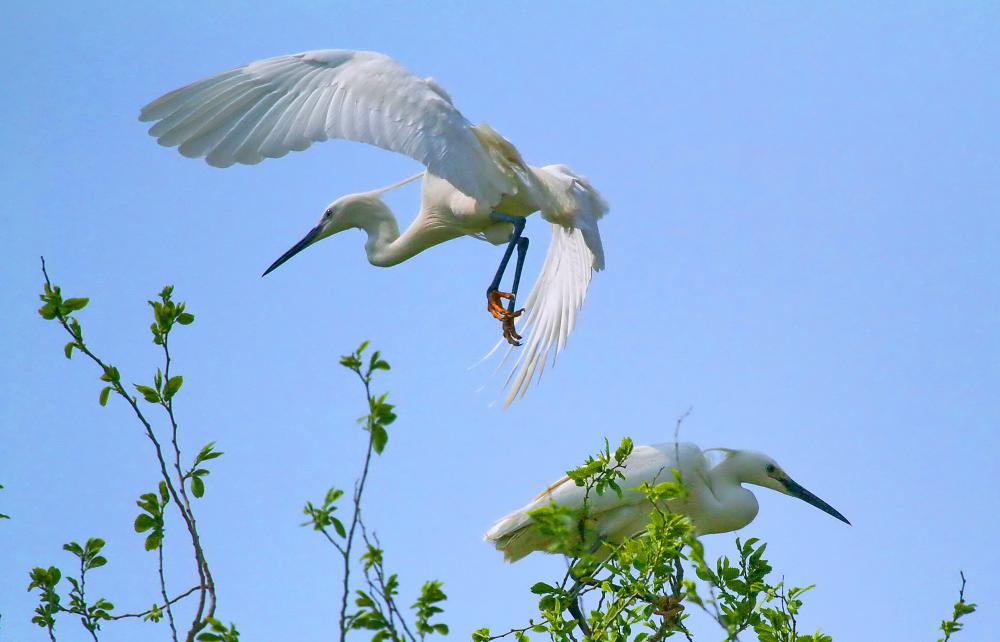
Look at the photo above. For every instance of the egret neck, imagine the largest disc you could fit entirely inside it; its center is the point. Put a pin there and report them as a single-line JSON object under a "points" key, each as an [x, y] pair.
{"points": [[734, 506], [385, 246]]}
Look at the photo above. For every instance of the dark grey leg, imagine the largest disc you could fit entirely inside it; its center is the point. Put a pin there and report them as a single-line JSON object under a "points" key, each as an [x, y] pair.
{"points": [[522, 250], [518, 223], [493, 293], [576, 610]]}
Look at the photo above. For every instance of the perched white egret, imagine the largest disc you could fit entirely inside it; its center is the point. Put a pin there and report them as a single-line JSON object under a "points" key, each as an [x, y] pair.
{"points": [[716, 501], [476, 183]]}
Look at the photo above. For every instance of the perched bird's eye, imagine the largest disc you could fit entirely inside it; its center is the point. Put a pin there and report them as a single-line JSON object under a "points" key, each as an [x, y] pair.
{"points": [[770, 468]]}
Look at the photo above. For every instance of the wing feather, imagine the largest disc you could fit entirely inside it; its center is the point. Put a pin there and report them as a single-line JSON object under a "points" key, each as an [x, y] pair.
{"points": [[271, 107], [575, 252], [216, 129], [224, 154], [550, 310]]}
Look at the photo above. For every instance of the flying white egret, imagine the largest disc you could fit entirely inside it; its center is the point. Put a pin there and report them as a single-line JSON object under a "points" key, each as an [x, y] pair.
{"points": [[716, 501], [476, 183]]}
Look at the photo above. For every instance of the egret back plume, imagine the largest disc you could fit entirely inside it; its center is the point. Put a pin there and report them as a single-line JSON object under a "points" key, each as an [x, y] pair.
{"points": [[405, 181]]}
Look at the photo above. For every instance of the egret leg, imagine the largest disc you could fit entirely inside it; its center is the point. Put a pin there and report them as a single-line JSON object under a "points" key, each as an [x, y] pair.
{"points": [[493, 293], [576, 609], [522, 250]]}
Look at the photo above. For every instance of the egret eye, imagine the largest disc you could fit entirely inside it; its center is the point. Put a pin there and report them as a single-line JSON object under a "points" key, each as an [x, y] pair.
{"points": [[770, 468]]}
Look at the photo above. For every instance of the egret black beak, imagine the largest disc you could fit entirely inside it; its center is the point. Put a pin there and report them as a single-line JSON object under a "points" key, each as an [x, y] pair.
{"points": [[795, 490], [306, 241]]}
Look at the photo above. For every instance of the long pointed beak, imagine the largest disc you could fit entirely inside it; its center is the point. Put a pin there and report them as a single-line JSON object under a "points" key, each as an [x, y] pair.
{"points": [[306, 241], [795, 490]]}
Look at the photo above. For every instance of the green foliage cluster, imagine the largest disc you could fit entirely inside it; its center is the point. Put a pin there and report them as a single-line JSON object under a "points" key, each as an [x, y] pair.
{"points": [[960, 610]]}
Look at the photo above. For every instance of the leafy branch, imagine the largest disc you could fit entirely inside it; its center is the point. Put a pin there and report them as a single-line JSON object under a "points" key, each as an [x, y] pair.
{"points": [[377, 604], [961, 609], [171, 489]]}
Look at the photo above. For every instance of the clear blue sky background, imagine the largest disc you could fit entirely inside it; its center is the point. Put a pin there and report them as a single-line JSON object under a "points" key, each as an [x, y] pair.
{"points": [[803, 246]]}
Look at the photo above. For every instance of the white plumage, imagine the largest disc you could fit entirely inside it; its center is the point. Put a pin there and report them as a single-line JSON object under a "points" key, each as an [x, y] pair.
{"points": [[271, 107], [716, 500]]}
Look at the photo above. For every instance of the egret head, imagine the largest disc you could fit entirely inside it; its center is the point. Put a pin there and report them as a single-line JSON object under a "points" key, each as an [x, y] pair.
{"points": [[761, 470], [341, 214]]}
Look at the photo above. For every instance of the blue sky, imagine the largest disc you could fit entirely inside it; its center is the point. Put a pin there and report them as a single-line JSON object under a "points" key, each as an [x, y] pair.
{"points": [[803, 246]]}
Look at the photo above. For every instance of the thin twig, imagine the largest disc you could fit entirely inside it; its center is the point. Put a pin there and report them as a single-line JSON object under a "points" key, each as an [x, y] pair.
{"points": [[510, 632], [167, 603], [359, 489], [204, 574], [163, 592], [85, 612]]}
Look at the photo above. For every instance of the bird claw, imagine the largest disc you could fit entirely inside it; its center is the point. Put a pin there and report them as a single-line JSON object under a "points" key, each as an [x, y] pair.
{"points": [[509, 333], [494, 306], [506, 318]]}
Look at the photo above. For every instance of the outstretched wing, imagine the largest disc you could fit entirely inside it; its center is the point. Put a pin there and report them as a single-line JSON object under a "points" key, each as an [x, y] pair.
{"points": [[271, 107], [575, 253]]}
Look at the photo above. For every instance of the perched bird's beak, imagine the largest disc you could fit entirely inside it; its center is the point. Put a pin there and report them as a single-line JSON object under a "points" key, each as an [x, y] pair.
{"points": [[795, 490], [306, 241]]}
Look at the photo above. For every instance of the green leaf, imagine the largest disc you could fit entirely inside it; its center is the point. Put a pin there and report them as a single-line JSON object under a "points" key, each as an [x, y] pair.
{"points": [[172, 386], [74, 548], [72, 305], [624, 450], [197, 486], [379, 438], [148, 393], [111, 375], [153, 541], [185, 318], [143, 523], [207, 452], [541, 588], [68, 350]]}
